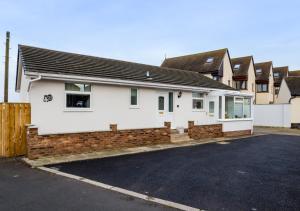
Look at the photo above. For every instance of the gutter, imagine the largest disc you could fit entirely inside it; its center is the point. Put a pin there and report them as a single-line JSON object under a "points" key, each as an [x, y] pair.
{"points": [[122, 82], [33, 80]]}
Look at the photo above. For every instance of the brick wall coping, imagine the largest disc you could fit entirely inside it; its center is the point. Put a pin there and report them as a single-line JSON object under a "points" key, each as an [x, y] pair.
{"points": [[235, 120], [31, 126], [92, 131]]}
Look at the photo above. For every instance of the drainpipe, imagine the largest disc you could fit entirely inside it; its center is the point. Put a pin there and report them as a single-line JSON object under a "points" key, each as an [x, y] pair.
{"points": [[33, 80]]}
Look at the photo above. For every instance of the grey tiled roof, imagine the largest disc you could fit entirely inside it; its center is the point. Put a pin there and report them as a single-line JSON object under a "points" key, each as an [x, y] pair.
{"points": [[56, 62], [265, 67], [197, 62], [244, 63], [294, 85], [282, 71], [294, 73]]}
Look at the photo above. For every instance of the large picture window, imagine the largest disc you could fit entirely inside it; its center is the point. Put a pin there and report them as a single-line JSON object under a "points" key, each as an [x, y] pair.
{"points": [[78, 95], [237, 107], [198, 101]]}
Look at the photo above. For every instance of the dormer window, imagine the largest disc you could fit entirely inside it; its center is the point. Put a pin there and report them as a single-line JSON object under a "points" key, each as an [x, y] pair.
{"points": [[276, 75], [258, 71], [210, 60], [236, 66]]}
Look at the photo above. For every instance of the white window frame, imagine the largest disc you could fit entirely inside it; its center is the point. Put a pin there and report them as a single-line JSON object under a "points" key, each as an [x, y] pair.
{"points": [[198, 98], [210, 60], [235, 100], [77, 93], [258, 71], [137, 100], [214, 108], [215, 77], [276, 75], [237, 66]]}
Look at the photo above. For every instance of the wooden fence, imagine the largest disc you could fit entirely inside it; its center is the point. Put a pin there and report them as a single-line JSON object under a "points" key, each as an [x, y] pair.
{"points": [[13, 120]]}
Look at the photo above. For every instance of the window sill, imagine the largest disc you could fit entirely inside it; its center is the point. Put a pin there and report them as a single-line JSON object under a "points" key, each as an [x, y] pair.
{"points": [[78, 110], [134, 107], [200, 110], [235, 120]]}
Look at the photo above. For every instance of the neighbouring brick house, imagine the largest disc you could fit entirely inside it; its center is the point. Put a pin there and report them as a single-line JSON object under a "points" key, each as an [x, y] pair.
{"points": [[213, 64], [264, 83], [244, 74], [279, 73], [84, 103]]}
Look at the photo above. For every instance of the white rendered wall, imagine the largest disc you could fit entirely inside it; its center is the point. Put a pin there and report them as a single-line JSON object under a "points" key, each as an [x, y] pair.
{"points": [[24, 97], [236, 125], [110, 104], [276, 115], [295, 104]]}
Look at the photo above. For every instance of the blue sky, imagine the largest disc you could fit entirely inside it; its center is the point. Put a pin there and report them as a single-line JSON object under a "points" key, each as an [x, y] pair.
{"points": [[146, 31]]}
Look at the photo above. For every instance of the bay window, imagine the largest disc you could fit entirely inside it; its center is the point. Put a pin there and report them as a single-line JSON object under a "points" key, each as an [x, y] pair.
{"points": [[78, 95], [237, 107]]}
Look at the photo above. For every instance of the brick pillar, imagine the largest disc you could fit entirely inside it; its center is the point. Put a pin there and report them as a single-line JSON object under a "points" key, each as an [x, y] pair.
{"points": [[113, 127], [31, 139], [190, 126], [168, 125]]}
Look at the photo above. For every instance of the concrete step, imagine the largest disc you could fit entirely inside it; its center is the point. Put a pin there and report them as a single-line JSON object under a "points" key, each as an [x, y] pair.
{"points": [[176, 137]]}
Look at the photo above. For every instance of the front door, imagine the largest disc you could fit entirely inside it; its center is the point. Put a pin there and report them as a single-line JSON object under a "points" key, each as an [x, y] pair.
{"points": [[165, 107]]}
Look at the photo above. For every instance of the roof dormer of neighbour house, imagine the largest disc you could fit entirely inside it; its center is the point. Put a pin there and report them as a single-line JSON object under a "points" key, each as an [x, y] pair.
{"points": [[279, 73], [294, 73], [213, 64], [264, 83], [244, 74]]}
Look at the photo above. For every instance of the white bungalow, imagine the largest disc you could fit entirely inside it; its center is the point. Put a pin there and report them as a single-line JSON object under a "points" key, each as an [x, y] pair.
{"points": [[71, 93]]}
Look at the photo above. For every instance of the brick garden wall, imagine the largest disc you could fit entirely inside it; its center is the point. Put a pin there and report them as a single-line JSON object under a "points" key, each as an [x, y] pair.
{"points": [[74, 143], [237, 133], [204, 131]]}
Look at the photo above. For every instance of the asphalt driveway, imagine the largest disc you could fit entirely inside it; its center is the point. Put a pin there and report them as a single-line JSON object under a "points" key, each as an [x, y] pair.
{"points": [[23, 188], [257, 173]]}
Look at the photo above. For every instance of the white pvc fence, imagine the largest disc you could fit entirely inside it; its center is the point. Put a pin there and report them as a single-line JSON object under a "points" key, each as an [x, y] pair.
{"points": [[273, 115]]}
